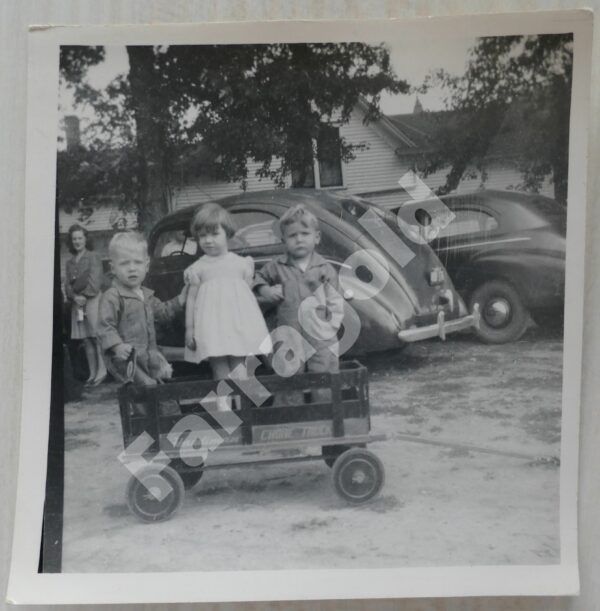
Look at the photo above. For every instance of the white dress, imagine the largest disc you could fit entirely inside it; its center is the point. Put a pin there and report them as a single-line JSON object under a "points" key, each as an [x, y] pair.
{"points": [[227, 318]]}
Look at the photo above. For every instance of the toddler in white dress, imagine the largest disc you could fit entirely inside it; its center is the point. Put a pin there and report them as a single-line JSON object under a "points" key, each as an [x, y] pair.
{"points": [[223, 321]]}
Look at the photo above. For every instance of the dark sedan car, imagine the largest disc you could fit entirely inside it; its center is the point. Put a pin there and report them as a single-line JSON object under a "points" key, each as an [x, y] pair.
{"points": [[505, 251], [398, 289]]}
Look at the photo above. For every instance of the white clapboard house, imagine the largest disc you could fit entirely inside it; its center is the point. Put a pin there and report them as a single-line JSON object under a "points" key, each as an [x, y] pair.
{"points": [[392, 146]]}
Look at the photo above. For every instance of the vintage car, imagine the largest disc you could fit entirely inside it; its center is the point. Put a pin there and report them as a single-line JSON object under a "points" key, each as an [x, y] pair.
{"points": [[505, 251], [395, 288]]}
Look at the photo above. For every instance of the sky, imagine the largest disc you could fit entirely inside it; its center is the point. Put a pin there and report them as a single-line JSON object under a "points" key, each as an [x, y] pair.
{"points": [[413, 65], [410, 63]]}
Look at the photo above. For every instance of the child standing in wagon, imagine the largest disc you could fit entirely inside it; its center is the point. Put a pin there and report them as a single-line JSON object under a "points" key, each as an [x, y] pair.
{"points": [[128, 311], [223, 321], [304, 288]]}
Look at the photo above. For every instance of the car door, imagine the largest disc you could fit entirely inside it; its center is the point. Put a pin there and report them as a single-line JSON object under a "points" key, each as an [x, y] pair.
{"points": [[471, 230]]}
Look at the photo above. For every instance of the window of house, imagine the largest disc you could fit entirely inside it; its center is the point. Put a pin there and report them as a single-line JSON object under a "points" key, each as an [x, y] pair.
{"points": [[329, 157], [303, 175], [327, 171], [468, 222], [254, 228]]}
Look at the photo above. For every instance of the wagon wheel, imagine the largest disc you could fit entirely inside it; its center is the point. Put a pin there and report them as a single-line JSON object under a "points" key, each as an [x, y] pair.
{"points": [[189, 477], [155, 493], [330, 453], [190, 474], [358, 475]]}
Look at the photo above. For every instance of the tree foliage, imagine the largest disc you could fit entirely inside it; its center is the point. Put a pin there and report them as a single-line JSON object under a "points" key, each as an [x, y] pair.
{"points": [[516, 84], [74, 61], [269, 102], [87, 176], [262, 102], [103, 171]]}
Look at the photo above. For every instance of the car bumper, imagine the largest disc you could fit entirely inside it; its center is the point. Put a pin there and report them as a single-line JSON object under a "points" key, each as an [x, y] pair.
{"points": [[442, 327]]}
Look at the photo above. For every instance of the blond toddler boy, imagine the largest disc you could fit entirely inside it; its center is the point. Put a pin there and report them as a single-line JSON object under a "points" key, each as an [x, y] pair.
{"points": [[129, 310]]}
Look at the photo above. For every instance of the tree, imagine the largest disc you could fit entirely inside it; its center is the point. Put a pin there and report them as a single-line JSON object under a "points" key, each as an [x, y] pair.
{"points": [[512, 83], [87, 177], [263, 102], [150, 108], [75, 61], [105, 169]]}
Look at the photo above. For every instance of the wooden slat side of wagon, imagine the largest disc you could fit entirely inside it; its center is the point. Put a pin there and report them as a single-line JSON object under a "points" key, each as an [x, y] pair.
{"points": [[174, 432]]}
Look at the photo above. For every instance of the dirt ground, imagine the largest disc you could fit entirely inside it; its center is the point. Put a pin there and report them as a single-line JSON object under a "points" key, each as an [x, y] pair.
{"points": [[444, 502]]}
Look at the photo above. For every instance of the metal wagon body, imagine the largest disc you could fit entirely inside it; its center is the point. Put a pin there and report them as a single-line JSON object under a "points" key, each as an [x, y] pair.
{"points": [[174, 432]]}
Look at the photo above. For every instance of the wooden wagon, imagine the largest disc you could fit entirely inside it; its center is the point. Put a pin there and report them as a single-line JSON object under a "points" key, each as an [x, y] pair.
{"points": [[174, 432]]}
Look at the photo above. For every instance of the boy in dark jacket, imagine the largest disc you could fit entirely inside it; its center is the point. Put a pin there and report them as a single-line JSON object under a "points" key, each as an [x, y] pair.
{"points": [[128, 311]]}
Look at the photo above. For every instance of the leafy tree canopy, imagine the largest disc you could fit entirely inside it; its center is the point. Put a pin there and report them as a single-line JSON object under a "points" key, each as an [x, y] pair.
{"points": [[85, 176], [262, 102], [74, 61], [513, 83], [270, 101]]}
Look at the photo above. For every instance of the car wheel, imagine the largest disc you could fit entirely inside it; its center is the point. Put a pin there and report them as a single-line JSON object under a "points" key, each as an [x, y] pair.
{"points": [[504, 318]]}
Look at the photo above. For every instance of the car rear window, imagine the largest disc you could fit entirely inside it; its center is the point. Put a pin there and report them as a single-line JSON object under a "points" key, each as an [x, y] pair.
{"points": [[174, 242], [255, 228], [467, 222], [515, 211]]}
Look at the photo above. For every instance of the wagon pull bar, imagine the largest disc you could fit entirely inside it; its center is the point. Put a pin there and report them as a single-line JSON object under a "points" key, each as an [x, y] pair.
{"points": [[469, 447]]}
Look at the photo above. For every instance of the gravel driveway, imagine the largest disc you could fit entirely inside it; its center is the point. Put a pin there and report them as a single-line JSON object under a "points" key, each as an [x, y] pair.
{"points": [[471, 459]]}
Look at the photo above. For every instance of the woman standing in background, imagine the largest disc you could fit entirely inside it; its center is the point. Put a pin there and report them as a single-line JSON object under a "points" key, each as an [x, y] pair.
{"points": [[83, 279]]}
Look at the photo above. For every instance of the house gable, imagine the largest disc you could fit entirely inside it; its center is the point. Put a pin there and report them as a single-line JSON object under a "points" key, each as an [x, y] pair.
{"points": [[375, 167], [390, 148]]}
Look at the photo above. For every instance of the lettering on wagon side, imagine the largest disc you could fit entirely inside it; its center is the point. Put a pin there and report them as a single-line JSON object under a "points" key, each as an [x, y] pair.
{"points": [[295, 432]]}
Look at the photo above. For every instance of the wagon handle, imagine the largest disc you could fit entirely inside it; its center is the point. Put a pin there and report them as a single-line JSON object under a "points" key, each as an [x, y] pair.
{"points": [[131, 365]]}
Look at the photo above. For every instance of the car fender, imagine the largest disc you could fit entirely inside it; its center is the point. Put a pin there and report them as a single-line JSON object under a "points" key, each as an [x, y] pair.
{"points": [[379, 319], [538, 278]]}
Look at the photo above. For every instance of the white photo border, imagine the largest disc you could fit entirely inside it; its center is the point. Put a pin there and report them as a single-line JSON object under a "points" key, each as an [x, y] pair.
{"points": [[26, 585]]}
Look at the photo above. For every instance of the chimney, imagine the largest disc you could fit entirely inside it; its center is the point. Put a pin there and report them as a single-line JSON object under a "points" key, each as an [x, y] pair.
{"points": [[72, 132]]}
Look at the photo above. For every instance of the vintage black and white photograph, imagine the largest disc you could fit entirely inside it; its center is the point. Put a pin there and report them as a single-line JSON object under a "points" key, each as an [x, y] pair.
{"points": [[309, 303]]}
